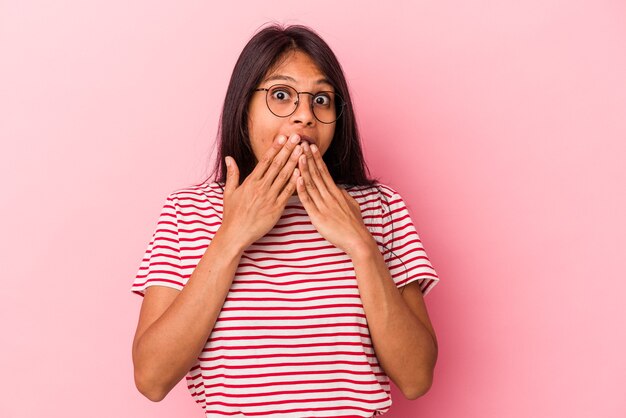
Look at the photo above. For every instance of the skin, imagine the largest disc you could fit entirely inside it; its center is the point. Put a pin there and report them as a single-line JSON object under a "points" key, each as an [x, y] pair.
{"points": [[264, 126], [316, 189], [175, 325], [401, 331], [345, 228]]}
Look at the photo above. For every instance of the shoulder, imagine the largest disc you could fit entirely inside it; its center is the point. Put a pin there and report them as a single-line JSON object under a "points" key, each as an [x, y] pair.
{"points": [[387, 190], [380, 194], [195, 200], [205, 193]]}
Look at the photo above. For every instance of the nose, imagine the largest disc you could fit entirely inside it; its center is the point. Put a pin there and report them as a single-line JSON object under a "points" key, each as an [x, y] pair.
{"points": [[304, 110]]}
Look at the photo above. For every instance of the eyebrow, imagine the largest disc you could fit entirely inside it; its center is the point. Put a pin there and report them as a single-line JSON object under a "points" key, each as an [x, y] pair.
{"points": [[288, 78]]}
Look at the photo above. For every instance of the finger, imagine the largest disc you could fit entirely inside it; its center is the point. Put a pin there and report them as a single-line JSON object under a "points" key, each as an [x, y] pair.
{"points": [[306, 199], [352, 201], [266, 160], [316, 177], [286, 172], [232, 176], [322, 172], [279, 161], [308, 183], [289, 188]]}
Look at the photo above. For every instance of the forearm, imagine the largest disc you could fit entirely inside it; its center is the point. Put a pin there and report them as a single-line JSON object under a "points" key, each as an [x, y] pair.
{"points": [[404, 346], [170, 346]]}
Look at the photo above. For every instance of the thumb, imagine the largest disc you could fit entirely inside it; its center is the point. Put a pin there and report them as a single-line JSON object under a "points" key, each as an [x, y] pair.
{"points": [[352, 201], [232, 175]]}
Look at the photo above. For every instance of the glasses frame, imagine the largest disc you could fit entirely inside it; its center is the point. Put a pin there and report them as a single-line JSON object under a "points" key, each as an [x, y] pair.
{"points": [[297, 103]]}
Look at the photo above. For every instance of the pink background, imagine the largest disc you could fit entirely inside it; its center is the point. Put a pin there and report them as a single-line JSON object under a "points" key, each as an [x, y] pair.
{"points": [[503, 124]]}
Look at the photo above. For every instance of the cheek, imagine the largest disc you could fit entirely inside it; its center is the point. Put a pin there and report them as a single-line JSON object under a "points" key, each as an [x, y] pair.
{"points": [[254, 134], [262, 133]]}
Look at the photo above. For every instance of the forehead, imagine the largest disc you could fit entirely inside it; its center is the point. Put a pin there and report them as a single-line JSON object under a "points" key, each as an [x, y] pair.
{"points": [[297, 68]]}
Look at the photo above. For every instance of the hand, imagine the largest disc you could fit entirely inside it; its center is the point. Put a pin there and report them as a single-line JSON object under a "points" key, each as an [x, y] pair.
{"points": [[252, 209], [334, 213]]}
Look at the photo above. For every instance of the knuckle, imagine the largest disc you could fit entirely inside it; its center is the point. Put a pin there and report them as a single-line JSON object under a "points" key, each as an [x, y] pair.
{"points": [[266, 159], [283, 176], [277, 163]]}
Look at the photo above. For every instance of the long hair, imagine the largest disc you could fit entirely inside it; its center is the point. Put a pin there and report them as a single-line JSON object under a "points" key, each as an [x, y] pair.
{"points": [[265, 50], [344, 157]]}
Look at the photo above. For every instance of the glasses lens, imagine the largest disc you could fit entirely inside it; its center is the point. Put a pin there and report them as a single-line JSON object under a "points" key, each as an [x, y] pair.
{"points": [[282, 100], [327, 106]]}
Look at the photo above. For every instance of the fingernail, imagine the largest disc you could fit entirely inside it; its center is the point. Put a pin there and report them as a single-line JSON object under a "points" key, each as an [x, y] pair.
{"points": [[313, 147], [227, 162], [295, 138], [281, 139]]}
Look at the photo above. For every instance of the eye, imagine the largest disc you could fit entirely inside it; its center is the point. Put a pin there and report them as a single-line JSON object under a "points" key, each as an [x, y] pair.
{"points": [[280, 94], [322, 99]]}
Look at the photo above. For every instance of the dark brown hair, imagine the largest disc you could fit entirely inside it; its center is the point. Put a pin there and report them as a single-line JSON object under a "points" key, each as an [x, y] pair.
{"points": [[267, 49], [344, 157]]}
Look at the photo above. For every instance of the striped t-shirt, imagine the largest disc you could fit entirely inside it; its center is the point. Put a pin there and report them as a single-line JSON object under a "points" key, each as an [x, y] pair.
{"points": [[291, 339]]}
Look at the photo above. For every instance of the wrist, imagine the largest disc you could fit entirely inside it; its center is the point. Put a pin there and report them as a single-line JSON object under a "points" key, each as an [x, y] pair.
{"points": [[364, 248], [229, 241]]}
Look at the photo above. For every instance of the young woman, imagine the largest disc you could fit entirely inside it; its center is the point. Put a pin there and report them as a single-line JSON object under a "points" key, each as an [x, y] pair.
{"points": [[292, 286]]}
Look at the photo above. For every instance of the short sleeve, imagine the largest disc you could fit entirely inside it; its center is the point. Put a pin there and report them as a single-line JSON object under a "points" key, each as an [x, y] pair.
{"points": [[162, 262], [403, 251]]}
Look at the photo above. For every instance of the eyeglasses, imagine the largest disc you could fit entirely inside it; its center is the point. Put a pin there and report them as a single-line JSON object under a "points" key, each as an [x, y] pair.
{"points": [[282, 100]]}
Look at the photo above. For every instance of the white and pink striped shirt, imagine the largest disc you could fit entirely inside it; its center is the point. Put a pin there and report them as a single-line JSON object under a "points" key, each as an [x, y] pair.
{"points": [[292, 338]]}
